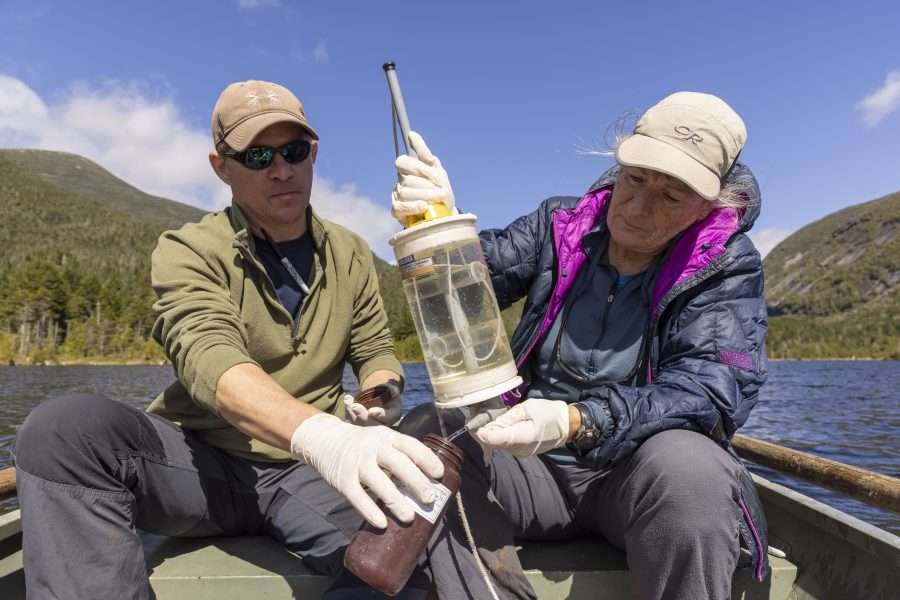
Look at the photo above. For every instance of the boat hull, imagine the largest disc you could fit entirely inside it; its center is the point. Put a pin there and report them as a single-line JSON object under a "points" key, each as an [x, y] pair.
{"points": [[829, 555]]}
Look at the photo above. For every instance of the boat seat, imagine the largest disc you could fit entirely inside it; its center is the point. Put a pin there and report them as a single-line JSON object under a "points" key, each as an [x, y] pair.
{"points": [[259, 567]]}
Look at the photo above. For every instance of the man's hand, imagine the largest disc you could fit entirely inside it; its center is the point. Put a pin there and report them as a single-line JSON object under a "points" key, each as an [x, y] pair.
{"points": [[388, 414], [423, 181], [529, 428], [353, 459]]}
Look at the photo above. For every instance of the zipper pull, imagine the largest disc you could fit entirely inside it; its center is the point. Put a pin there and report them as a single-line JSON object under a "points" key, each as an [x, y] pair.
{"points": [[611, 297]]}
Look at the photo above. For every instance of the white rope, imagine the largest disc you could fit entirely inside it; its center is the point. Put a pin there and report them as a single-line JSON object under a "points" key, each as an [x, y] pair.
{"points": [[471, 540]]}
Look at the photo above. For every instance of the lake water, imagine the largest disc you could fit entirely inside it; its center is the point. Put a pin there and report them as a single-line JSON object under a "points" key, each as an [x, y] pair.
{"points": [[844, 410]]}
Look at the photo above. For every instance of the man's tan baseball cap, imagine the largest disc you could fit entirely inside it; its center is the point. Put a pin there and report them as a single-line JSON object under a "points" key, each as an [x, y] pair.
{"points": [[691, 136], [245, 108]]}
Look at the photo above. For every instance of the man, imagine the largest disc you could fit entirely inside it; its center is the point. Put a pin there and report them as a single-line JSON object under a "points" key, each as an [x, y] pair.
{"points": [[259, 308]]}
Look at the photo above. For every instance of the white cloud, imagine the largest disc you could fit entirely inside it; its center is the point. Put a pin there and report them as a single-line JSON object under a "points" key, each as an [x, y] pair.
{"points": [[346, 206], [143, 140], [766, 239], [21, 110], [882, 101], [320, 54], [147, 142]]}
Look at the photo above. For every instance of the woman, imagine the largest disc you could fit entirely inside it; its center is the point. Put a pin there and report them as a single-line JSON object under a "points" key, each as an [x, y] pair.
{"points": [[642, 345]]}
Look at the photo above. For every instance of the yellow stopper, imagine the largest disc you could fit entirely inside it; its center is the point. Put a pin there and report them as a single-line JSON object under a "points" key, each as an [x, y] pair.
{"points": [[435, 211]]}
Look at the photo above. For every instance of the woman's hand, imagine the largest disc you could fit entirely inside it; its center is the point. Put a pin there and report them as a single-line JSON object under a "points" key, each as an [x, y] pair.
{"points": [[423, 181], [529, 428]]}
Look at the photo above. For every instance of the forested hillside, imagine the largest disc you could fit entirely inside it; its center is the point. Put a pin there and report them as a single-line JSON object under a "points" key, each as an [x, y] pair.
{"points": [[75, 285], [74, 273], [833, 287]]}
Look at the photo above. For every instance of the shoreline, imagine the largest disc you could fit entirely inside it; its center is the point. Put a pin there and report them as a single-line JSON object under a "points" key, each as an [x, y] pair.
{"points": [[90, 363]]}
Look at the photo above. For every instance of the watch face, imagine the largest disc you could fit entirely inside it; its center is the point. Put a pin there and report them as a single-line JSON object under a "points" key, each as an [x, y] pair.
{"points": [[586, 441]]}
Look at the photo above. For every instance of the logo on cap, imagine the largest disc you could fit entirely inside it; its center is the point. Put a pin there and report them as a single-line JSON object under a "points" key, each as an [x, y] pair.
{"points": [[254, 100], [685, 133]]}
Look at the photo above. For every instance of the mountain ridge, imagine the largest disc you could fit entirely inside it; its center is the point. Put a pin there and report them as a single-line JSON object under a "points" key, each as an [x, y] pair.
{"points": [[76, 173], [833, 286], [858, 245]]}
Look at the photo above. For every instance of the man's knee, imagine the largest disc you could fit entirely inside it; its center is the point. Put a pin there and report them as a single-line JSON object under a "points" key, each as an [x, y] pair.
{"points": [[65, 431], [54, 425]]}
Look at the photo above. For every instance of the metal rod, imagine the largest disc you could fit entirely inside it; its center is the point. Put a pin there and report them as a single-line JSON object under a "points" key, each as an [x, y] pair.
{"points": [[390, 71], [876, 489]]}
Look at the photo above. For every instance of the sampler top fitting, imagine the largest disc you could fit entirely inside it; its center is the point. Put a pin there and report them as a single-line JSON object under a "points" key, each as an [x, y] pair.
{"points": [[435, 211]]}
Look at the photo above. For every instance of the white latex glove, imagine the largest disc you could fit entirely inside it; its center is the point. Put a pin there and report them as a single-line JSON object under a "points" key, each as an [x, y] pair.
{"points": [[423, 181], [350, 457], [389, 414], [528, 428]]}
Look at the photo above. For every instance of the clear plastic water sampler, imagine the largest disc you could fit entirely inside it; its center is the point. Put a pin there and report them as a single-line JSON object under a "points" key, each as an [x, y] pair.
{"points": [[448, 288], [467, 355]]}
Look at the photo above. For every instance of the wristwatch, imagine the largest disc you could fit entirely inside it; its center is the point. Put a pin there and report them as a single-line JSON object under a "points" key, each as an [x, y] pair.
{"points": [[588, 435]]}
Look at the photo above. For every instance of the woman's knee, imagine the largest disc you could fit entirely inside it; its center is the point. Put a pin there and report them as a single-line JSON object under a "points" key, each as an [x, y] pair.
{"points": [[686, 460], [687, 479]]}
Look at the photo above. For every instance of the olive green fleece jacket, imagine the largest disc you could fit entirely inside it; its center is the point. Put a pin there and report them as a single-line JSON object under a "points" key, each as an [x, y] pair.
{"points": [[216, 307]]}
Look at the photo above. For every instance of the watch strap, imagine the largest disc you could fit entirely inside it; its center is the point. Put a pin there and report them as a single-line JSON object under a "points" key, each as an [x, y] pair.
{"points": [[588, 435]]}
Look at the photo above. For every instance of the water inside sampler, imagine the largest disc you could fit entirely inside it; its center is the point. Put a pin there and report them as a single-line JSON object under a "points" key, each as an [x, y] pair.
{"points": [[457, 318]]}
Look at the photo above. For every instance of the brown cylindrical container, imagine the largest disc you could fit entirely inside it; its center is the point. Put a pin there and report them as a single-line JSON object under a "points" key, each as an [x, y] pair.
{"points": [[385, 558], [374, 396]]}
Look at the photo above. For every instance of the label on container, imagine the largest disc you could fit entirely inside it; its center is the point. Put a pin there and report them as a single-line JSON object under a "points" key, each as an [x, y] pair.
{"points": [[412, 267], [429, 512]]}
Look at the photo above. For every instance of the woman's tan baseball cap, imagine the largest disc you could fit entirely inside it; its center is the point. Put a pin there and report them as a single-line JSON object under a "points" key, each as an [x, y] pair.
{"points": [[245, 108], [691, 136]]}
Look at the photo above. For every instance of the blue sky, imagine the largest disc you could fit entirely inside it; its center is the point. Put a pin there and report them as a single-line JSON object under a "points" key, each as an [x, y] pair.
{"points": [[508, 94]]}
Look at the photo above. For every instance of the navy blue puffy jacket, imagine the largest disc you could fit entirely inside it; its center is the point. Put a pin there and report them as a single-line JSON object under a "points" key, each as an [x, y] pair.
{"points": [[704, 354]]}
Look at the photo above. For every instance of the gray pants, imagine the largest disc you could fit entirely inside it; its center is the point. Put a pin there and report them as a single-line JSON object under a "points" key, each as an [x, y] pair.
{"points": [[672, 507], [92, 471]]}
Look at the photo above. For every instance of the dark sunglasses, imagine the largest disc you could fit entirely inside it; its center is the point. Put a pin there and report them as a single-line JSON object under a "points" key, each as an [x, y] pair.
{"points": [[261, 157]]}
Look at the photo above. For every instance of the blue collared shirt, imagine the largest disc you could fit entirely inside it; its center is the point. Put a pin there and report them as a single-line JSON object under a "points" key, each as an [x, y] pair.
{"points": [[597, 336]]}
